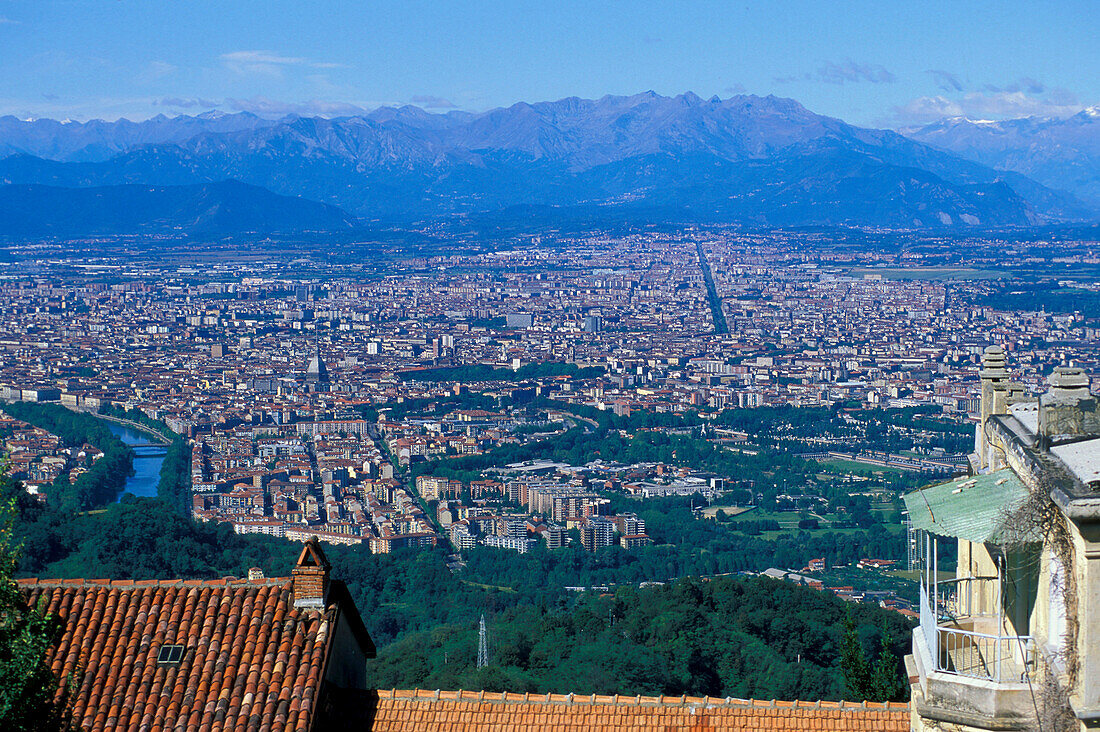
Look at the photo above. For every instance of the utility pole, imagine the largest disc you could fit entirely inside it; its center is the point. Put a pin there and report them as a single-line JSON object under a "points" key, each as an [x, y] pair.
{"points": [[482, 645]]}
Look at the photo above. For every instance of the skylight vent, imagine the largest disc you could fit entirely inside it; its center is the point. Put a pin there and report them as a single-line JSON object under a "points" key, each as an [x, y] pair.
{"points": [[170, 655]]}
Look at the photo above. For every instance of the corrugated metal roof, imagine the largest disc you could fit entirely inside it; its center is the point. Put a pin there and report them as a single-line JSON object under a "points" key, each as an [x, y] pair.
{"points": [[971, 508]]}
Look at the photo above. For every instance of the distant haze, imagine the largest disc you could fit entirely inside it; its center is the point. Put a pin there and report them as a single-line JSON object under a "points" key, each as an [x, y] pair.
{"points": [[761, 161]]}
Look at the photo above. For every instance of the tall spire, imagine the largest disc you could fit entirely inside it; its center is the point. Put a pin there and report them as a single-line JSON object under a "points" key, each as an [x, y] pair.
{"points": [[316, 371]]}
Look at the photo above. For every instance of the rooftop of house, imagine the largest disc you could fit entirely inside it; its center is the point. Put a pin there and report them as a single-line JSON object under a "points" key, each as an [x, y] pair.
{"points": [[475, 711], [1057, 433], [196, 653]]}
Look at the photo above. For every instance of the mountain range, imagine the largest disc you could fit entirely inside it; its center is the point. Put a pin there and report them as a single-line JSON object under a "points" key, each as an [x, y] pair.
{"points": [[760, 161], [1059, 153]]}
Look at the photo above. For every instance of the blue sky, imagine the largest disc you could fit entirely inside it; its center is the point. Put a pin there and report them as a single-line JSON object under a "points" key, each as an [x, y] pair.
{"points": [[881, 63]]}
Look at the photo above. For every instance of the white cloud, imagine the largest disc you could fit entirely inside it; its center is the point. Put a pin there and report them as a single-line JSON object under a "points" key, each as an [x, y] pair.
{"points": [[4, 20], [847, 71], [986, 105], [429, 102], [265, 107], [1025, 84], [850, 71], [155, 71], [186, 102], [945, 80], [269, 63]]}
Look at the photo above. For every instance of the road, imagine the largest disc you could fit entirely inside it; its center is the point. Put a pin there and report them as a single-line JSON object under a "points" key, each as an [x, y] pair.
{"points": [[717, 314]]}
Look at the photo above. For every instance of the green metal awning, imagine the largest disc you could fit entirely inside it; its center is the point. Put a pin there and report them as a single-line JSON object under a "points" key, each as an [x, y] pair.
{"points": [[971, 508]]}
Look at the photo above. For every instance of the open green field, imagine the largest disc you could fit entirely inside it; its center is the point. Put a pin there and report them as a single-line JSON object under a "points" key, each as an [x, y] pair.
{"points": [[822, 529], [785, 518], [931, 273], [905, 574], [788, 521], [500, 588], [712, 511], [852, 466]]}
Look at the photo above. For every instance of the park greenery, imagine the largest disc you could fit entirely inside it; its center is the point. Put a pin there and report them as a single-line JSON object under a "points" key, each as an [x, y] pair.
{"points": [[421, 406], [1044, 296]]}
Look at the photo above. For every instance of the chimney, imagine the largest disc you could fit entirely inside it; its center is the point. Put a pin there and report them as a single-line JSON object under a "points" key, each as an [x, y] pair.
{"points": [[1068, 409], [310, 576], [994, 376]]}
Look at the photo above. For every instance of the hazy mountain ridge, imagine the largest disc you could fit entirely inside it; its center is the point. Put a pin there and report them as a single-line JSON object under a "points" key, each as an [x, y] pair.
{"points": [[98, 140], [759, 160], [228, 207], [1060, 153]]}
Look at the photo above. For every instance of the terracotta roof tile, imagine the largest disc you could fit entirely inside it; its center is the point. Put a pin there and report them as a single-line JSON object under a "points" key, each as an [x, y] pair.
{"points": [[404, 711], [251, 660]]}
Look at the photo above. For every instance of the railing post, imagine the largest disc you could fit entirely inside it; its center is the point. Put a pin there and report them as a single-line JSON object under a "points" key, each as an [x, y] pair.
{"points": [[936, 579]]}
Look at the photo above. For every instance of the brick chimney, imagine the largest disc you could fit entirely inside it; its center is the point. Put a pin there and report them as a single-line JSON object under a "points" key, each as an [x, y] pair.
{"points": [[310, 576]]}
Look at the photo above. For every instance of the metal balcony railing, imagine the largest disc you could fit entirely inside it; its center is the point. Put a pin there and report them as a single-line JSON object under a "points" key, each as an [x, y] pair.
{"points": [[1000, 658], [957, 650]]}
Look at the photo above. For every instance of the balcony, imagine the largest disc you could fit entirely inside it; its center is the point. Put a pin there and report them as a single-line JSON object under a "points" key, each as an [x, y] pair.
{"points": [[969, 638], [971, 670], [970, 664]]}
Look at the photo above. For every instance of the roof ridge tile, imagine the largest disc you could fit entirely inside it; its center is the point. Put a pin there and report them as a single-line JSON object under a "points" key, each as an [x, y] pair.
{"points": [[417, 709]]}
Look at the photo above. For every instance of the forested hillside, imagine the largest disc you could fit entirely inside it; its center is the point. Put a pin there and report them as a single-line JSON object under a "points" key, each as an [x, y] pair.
{"points": [[748, 638]]}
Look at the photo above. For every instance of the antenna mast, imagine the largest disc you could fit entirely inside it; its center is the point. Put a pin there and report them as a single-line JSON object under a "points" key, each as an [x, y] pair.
{"points": [[482, 645]]}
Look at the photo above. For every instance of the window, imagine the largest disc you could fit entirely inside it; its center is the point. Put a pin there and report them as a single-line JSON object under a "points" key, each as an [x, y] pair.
{"points": [[170, 655]]}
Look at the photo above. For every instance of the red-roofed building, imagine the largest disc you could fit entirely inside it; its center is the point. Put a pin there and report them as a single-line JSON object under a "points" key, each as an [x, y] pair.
{"points": [[287, 653]]}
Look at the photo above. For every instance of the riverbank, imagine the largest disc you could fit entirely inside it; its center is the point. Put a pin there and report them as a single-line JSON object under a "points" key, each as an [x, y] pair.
{"points": [[102, 481], [137, 427]]}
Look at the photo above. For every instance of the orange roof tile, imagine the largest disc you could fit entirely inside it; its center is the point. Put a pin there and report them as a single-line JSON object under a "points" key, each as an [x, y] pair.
{"points": [[477, 711], [249, 656]]}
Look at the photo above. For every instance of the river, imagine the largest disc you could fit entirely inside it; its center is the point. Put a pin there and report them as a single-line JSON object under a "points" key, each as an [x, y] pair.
{"points": [[147, 461]]}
